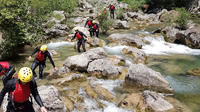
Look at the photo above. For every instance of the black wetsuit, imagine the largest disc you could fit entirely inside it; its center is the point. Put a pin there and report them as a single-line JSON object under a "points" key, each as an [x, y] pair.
{"points": [[95, 29], [20, 107], [40, 63], [112, 11], [81, 41]]}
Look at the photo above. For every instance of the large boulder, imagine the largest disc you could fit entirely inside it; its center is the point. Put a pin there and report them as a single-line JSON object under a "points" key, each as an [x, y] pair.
{"points": [[80, 62], [127, 39], [95, 42], [51, 99], [168, 16], [58, 17], [156, 102], [121, 24], [170, 33], [136, 54], [103, 67], [142, 76]]}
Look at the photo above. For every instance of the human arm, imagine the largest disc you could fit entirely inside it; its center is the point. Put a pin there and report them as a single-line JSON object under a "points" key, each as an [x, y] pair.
{"points": [[74, 36], [35, 50], [50, 59], [8, 75]]}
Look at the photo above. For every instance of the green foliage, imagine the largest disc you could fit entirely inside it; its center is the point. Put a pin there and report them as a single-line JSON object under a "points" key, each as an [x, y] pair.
{"points": [[134, 5], [14, 23], [119, 13], [105, 23], [42, 7], [183, 18]]}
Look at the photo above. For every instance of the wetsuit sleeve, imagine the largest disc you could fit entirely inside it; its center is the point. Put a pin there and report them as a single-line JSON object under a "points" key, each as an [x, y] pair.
{"points": [[35, 50], [8, 75], [86, 23], [34, 92], [10, 86], [50, 59], [74, 36]]}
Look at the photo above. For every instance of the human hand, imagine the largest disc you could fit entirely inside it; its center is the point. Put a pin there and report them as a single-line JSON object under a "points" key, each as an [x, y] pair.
{"points": [[29, 58], [43, 109]]}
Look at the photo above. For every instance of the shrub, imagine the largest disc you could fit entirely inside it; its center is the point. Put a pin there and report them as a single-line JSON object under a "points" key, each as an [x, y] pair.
{"points": [[183, 18], [119, 13], [134, 5]]}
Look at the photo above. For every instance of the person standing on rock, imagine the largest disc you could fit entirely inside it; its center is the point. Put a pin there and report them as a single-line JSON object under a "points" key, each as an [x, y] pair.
{"points": [[95, 28], [81, 39], [19, 90], [42, 54], [6, 70], [112, 11], [89, 23]]}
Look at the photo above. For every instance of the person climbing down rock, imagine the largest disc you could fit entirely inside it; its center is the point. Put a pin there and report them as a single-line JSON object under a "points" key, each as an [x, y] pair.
{"points": [[88, 22], [112, 11], [42, 54], [19, 89], [6, 70], [81, 39], [95, 28]]}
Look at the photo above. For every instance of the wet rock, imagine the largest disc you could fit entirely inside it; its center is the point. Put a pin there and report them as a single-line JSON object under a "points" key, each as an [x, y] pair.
{"points": [[90, 92], [69, 104], [117, 60], [127, 39], [194, 7], [51, 99], [121, 24], [137, 55], [193, 37], [95, 42], [168, 16], [156, 102], [78, 20], [170, 33], [132, 102], [80, 62], [142, 76], [195, 71], [72, 77], [103, 67], [104, 93]]}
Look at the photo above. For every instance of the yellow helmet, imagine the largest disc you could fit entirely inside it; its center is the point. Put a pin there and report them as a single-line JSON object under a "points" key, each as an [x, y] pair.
{"points": [[93, 21], [25, 74], [43, 48], [75, 29]]}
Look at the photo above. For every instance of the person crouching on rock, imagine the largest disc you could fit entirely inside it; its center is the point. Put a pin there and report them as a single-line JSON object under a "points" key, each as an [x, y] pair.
{"points": [[42, 54], [95, 28], [81, 39], [6, 70], [19, 89]]}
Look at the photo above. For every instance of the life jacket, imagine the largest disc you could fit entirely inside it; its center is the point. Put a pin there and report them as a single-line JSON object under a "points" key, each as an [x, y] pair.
{"points": [[40, 56], [21, 92], [79, 36], [5, 67], [95, 26], [112, 7], [89, 23]]}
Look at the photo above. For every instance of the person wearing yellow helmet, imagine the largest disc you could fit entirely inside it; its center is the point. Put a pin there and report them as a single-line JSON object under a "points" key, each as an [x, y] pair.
{"points": [[95, 28], [20, 88], [40, 60], [81, 39]]}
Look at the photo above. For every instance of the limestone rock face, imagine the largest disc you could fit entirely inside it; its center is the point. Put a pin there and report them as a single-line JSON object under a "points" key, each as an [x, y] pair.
{"points": [[141, 75]]}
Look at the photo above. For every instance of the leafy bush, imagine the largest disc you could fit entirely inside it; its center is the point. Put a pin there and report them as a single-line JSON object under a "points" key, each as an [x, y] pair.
{"points": [[119, 13], [105, 23], [183, 18]]}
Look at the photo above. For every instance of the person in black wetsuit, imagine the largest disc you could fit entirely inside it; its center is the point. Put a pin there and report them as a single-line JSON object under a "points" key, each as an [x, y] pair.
{"points": [[112, 11], [6, 70], [81, 39], [42, 54], [95, 28], [19, 90]]}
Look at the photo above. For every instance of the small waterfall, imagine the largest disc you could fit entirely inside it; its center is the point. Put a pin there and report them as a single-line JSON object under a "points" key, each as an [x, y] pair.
{"points": [[54, 45], [158, 46]]}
